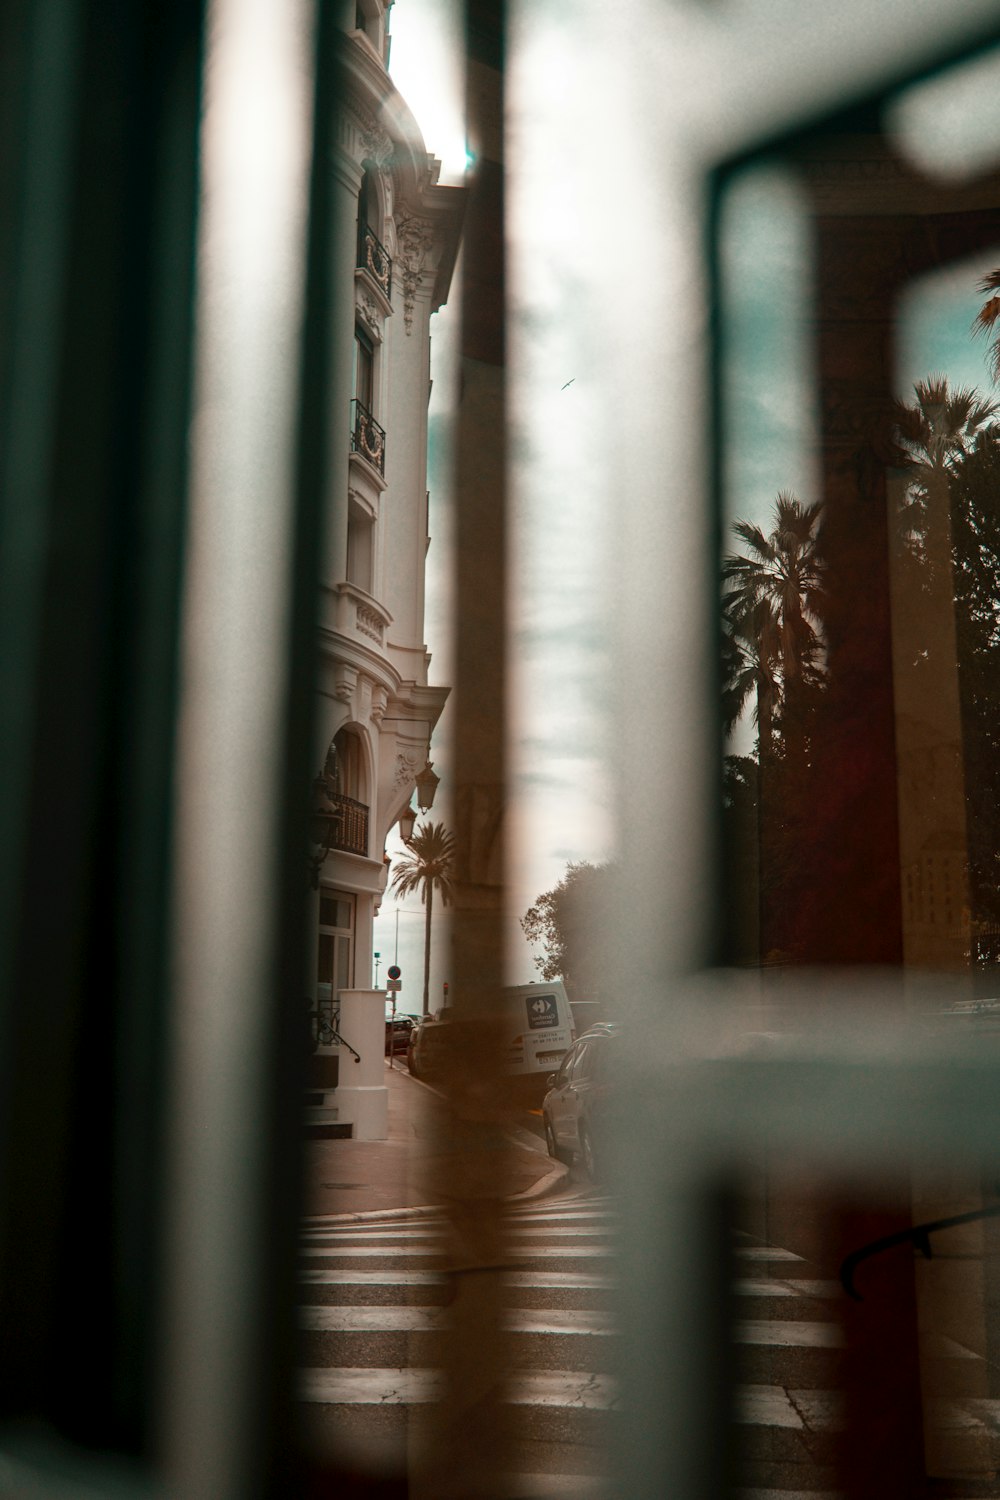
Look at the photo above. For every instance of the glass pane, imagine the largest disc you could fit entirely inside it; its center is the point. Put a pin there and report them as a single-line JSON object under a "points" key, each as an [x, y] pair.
{"points": [[324, 966], [335, 912], [860, 467], [344, 978]]}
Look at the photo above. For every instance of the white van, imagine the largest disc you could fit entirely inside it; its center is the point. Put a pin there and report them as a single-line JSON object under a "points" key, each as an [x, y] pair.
{"points": [[540, 1027]]}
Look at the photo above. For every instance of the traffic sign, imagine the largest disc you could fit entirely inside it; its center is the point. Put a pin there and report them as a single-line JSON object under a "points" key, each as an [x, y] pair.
{"points": [[394, 986], [394, 971]]}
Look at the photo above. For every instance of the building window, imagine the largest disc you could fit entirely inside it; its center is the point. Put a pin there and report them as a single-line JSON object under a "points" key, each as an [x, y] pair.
{"points": [[346, 767], [335, 951], [364, 369], [372, 254], [360, 550]]}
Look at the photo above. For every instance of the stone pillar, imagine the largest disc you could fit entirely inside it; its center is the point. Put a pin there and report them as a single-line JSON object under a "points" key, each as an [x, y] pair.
{"points": [[344, 186], [362, 1095]]}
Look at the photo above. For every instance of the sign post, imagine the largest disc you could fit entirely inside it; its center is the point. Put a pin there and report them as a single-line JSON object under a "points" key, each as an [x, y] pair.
{"points": [[393, 987]]}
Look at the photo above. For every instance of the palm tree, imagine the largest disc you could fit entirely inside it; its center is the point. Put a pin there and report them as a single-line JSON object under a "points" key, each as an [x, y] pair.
{"points": [[772, 607], [935, 434], [750, 657], [987, 318], [427, 868]]}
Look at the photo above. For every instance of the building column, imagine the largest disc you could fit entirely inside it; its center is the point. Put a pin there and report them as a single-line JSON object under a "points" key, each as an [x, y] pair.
{"points": [[345, 185], [363, 1095]]}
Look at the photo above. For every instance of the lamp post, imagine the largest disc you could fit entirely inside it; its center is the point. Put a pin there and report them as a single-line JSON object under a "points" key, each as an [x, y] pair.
{"points": [[405, 823], [427, 784], [325, 823]]}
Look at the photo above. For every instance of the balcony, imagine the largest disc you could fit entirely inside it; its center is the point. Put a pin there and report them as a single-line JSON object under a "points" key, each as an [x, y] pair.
{"points": [[349, 825], [367, 437], [374, 258]]}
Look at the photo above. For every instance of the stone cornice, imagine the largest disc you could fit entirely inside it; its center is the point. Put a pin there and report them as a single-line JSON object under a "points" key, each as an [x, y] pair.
{"points": [[338, 648], [376, 125]]}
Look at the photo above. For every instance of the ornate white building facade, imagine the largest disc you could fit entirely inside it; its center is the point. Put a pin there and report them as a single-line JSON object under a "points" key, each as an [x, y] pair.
{"points": [[396, 246]]}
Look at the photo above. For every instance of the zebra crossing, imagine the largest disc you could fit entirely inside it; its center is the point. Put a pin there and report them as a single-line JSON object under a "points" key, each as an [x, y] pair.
{"points": [[372, 1310], [372, 1306]]}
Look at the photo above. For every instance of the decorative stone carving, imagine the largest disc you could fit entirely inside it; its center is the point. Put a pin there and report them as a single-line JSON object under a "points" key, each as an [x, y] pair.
{"points": [[370, 315], [345, 682], [415, 241], [370, 623], [377, 145], [406, 770], [379, 702], [372, 141]]}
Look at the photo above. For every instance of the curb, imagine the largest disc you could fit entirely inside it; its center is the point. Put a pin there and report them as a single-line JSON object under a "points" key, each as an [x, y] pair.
{"points": [[540, 1189], [553, 1179], [543, 1187]]}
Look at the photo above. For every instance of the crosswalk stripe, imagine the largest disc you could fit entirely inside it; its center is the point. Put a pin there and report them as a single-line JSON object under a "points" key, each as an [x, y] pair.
{"points": [[756, 1405], [433, 1319], [411, 1236], [763, 1332], [383, 1252], [365, 1232], [559, 1281], [578, 1390], [556, 1486], [787, 1495], [555, 1321], [764, 1252], [750, 1286], [560, 1232], [562, 1216], [536, 1280], [370, 1252], [371, 1278]]}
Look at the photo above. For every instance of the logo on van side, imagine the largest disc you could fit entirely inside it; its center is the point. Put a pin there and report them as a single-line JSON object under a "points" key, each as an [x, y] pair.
{"points": [[543, 1012]]}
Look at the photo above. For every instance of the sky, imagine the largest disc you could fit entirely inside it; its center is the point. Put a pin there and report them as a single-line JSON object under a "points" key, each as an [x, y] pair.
{"points": [[767, 376], [560, 805], [562, 504]]}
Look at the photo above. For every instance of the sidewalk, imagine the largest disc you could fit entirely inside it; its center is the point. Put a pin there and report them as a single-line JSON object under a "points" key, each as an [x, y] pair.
{"points": [[344, 1178]]}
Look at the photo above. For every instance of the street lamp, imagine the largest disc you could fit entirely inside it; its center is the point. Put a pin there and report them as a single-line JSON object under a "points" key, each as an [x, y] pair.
{"points": [[325, 823], [405, 822], [427, 784]]}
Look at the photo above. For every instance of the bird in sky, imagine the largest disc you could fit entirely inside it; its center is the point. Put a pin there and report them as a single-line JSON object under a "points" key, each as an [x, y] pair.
{"points": [[569, 382]]}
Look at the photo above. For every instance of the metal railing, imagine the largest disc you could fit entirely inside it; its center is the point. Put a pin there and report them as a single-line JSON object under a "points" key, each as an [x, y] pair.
{"points": [[350, 830], [374, 258], [367, 437]]}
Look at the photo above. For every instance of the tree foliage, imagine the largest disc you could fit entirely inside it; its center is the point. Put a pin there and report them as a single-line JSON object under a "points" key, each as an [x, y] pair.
{"points": [[562, 921], [427, 868], [987, 318], [806, 621], [772, 608]]}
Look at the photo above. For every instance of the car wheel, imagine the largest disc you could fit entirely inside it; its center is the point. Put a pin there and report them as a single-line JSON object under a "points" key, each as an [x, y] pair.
{"points": [[551, 1145], [587, 1154]]}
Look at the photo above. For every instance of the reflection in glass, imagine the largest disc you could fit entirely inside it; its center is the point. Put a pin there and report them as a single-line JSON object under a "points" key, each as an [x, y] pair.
{"points": [[860, 682]]}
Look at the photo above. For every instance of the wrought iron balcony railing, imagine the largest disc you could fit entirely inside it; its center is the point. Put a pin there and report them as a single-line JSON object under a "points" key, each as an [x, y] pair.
{"points": [[350, 829], [374, 258], [368, 438]]}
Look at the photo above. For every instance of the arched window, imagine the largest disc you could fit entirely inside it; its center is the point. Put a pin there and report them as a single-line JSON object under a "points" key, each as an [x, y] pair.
{"points": [[345, 765], [368, 205], [372, 254]]}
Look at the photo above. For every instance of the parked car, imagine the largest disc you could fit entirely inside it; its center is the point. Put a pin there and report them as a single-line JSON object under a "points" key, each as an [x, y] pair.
{"points": [[397, 1030], [575, 1108], [422, 1051]]}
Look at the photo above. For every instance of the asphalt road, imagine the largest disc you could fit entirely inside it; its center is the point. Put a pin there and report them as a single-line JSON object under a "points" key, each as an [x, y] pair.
{"points": [[373, 1311]]}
